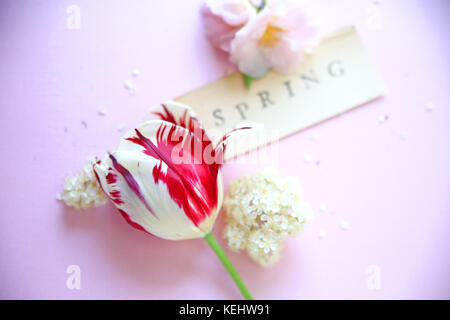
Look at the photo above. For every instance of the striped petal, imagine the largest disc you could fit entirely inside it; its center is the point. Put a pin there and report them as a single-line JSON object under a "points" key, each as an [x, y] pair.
{"points": [[165, 177], [160, 184], [165, 218], [181, 115], [176, 113]]}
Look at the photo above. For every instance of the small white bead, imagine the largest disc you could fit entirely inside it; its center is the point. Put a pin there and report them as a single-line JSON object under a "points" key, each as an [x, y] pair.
{"points": [[323, 208], [135, 72], [121, 127], [308, 51], [307, 158], [382, 119], [344, 225], [102, 111], [429, 106], [322, 234], [403, 134], [128, 85]]}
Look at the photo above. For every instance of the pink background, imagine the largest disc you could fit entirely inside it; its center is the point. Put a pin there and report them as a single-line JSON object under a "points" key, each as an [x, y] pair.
{"points": [[394, 192]]}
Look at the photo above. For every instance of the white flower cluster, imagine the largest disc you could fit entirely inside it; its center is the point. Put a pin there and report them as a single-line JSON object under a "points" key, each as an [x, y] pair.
{"points": [[82, 190], [261, 212]]}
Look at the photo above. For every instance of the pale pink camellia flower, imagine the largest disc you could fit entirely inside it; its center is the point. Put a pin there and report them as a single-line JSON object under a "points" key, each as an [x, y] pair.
{"points": [[164, 178], [223, 18], [273, 39]]}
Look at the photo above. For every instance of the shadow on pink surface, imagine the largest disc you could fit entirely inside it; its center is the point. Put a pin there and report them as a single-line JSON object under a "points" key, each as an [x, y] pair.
{"points": [[159, 264]]}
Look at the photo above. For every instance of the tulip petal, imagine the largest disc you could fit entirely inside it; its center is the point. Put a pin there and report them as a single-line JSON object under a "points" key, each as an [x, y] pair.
{"points": [[182, 115], [164, 176], [221, 146], [131, 182], [191, 182], [170, 220], [176, 113]]}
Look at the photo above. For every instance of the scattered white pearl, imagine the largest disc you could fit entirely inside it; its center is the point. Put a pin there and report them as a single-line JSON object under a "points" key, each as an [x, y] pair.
{"points": [[102, 111], [403, 135], [307, 158], [429, 107], [121, 127], [322, 234], [135, 72], [382, 119], [128, 85], [345, 225], [323, 208]]}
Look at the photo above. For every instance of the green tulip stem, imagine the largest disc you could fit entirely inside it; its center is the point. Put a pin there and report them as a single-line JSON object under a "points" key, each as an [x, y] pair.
{"points": [[209, 238]]}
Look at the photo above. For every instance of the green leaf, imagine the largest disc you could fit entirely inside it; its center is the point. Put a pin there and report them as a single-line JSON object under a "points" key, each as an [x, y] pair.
{"points": [[248, 80], [263, 4], [260, 7]]}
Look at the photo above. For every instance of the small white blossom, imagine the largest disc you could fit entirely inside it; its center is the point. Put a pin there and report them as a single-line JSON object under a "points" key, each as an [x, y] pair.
{"points": [[82, 190], [261, 212]]}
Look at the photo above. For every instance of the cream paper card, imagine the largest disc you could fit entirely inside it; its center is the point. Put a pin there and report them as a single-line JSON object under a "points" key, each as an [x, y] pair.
{"points": [[336, 77]]}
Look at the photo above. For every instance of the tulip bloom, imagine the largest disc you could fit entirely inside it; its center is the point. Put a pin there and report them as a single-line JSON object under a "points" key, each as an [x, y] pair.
{"points": [[164, 178]]}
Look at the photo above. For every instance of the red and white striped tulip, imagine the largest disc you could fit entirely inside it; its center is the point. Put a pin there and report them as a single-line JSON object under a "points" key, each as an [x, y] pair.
{"points": [[164, 178], [159, 178]]}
